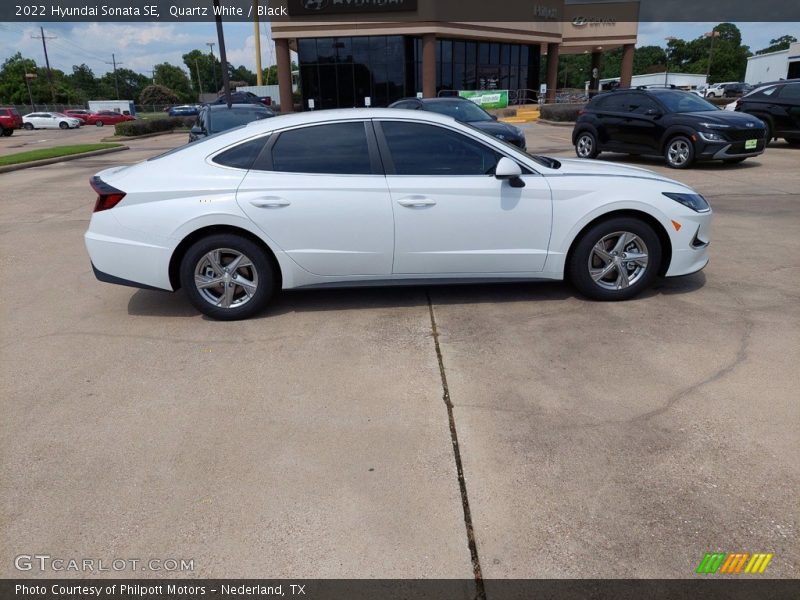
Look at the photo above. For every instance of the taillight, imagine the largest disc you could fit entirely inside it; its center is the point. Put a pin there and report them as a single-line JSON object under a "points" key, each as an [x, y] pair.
{"points": [[580, 112], [107, 196]]}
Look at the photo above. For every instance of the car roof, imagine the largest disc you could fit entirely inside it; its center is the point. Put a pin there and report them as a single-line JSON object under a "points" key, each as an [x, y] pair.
{"points": [[341, 114], [247, 105]]}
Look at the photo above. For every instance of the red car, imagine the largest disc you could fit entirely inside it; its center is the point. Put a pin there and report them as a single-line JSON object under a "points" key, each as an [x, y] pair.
{"points": [[10, 120], [78, 113], [107, 117]]}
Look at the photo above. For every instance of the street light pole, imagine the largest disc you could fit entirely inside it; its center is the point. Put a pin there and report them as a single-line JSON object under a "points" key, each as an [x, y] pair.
{"points": [[712, 34], [666, 53]]}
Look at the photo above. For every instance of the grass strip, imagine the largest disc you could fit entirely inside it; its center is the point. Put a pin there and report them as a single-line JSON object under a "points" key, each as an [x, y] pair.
{"points": [[55, 152]]}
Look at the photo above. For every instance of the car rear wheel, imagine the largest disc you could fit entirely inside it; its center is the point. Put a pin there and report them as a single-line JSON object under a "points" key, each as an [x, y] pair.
{"points": [[99, 123], [227, 277], [28, 126], [615, 260], [8, 132], [586, 145], [679, 152]]}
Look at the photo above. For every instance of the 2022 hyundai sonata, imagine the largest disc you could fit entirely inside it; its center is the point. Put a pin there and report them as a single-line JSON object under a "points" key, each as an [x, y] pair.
{"points": [[378, 197]]}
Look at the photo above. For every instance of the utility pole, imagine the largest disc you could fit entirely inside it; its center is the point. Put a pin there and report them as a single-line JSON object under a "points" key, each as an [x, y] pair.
{"points": [[44, 39], [712, 34], [213, 65], [226, 83], [199, 83], [115, 63], [257, 31], [153, 73]]}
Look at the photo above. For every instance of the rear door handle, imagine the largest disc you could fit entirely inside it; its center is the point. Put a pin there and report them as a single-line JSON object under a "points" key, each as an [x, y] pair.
{"points": [[270, 202], [416, 202]]}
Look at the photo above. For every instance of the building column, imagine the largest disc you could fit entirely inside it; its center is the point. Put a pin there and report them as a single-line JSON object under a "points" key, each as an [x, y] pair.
{"points": [[626, 70], [284, 64], [594, 84], [429, 65], [552, 72]]}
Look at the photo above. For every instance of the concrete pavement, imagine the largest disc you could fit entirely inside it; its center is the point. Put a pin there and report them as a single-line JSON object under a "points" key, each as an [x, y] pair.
{"points": [[598, 440]]}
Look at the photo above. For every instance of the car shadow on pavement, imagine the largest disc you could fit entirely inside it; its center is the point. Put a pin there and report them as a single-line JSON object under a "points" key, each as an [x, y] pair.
{"points": [[658, 161], [164, 304]]}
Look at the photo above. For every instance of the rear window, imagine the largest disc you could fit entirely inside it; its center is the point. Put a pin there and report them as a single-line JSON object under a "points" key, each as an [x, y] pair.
{"points": [[241, 156], [4, 112]]}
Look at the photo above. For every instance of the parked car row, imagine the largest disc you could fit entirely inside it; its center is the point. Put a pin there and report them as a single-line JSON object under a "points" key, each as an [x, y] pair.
{"points": [[10, 119], [728, 89], [684, 128]]}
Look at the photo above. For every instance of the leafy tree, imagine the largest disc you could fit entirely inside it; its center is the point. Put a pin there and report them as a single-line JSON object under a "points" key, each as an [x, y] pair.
{"points": [[649, 59], [242, 73], [210, 71], [158, 94], [781, 43], [83, 81], [175, 79], [130, 84]]}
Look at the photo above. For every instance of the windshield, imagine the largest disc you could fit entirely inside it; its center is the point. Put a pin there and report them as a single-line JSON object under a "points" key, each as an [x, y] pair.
{"points": [[222, 120], [683, 102], [466, 112]]}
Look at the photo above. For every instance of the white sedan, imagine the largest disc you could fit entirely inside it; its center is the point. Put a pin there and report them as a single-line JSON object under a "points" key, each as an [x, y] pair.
{"points": [[379, 197], [49, 120]]}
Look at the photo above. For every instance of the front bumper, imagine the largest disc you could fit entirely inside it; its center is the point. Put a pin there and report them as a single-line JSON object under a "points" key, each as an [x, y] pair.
{"points": [[690, 244], [724, 150]]}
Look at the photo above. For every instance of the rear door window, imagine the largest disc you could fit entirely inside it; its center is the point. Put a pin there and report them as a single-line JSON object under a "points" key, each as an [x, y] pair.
{"points": [[336, 149]]}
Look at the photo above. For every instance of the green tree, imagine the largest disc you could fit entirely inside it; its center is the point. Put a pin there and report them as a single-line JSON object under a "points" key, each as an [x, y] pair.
{"points": [[83, 81], [781, 43], [175, 79], [242, 73], [649, 59], [158, 94], [130, 84], [209, 70]]}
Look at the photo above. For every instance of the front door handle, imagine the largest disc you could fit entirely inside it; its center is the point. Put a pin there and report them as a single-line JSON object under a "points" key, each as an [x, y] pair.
{"points": [[270, 202], [416, 202]]}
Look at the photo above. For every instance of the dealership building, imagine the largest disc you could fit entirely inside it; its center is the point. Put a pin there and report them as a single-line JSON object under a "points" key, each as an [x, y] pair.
{"points": [[353, 54]]}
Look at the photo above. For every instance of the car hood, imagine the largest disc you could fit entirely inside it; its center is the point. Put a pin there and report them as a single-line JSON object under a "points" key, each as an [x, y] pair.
{"points": [[496, 128], [584, 168], [725, 117]]}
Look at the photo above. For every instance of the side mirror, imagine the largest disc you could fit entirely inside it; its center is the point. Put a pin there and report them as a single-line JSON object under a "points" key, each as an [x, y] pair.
{"points": [[494, 117], [197, 130], [510, 170]]}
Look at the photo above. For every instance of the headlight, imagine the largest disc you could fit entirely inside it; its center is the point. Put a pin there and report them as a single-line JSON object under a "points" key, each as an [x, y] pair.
{"points": [[694, 201], [710, 136], [715, 125]]}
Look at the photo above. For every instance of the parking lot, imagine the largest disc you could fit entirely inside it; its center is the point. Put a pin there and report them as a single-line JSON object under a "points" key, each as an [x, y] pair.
{"points": [[23, 140], [597, 439]]}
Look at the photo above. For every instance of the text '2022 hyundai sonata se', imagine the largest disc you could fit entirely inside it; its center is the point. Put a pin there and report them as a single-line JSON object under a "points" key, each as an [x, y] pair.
{"points": [[380, 197]]}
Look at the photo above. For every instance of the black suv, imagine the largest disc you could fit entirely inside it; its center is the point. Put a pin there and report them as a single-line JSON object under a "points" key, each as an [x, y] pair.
{"points": [[677, 125], [216, 118], [778, 105]]}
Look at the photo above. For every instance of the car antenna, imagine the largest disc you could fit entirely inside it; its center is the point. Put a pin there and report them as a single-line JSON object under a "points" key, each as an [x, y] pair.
{"points": [[226, 82]]}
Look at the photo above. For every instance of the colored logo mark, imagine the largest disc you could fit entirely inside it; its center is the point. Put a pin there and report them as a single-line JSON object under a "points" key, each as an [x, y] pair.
{"points": [[739, 562]]}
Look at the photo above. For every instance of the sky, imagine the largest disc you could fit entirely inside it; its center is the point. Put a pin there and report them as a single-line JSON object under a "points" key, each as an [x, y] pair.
{"points": [[140, 46]]}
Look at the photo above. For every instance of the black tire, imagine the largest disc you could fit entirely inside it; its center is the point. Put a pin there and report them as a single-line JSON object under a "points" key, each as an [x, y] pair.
{"points": [[679, 152], [28, 126], [99, 123], [611, 285], [63, 125], [8, 132], [586, 145], [792, 142], [259, 271], [733, 161], [768, 137]]}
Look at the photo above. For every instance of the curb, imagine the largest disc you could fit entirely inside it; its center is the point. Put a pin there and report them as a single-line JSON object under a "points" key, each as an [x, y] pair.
{"points": [[58, 159], [133, 138], [557, 123]]}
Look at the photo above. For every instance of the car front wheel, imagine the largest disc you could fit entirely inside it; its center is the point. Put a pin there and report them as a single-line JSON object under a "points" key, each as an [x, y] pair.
{"points": [[616, 259], [586, 145], [8, 132], [679, 152], [227, 277], [63, 125]]}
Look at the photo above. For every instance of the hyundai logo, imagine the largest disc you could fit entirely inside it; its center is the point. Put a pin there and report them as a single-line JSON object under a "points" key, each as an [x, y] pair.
{"points": [[315, 4]]}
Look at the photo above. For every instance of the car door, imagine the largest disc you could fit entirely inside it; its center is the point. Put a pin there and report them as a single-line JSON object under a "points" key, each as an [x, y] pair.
{"points": [[451, 215], [319, 192], [641, 127], [788, 105], [610, 112]]}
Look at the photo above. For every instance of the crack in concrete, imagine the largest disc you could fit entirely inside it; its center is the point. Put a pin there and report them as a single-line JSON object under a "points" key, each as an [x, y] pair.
{"points": [[462, 484]]}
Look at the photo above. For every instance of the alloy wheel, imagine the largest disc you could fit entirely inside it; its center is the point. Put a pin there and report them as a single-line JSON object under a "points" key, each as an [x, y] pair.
{"points": [[679, 152], [226, 278], [618, 260], [585, 146]]}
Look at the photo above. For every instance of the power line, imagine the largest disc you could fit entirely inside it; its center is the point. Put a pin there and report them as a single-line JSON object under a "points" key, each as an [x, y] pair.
{"points": [[44, 39]]}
